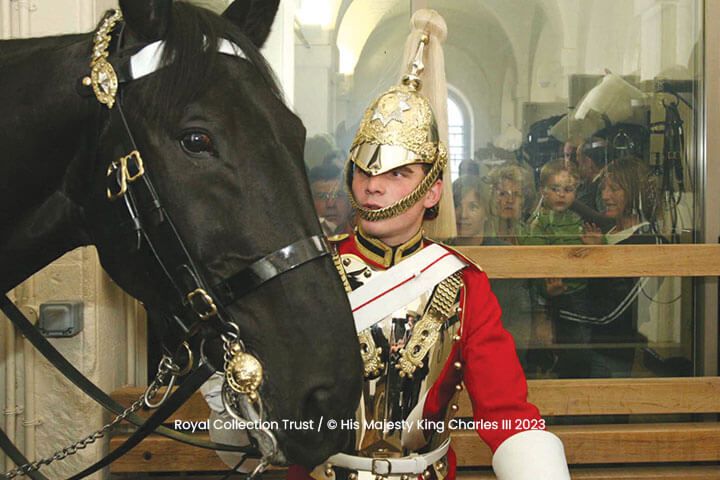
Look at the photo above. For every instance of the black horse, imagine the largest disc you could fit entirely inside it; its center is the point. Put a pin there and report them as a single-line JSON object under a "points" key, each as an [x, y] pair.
{"points": [[225, 157]]}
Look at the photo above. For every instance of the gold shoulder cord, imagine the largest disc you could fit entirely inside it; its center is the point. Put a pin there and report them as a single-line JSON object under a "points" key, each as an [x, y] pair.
{"points": [[370, 353], [426, 331]]}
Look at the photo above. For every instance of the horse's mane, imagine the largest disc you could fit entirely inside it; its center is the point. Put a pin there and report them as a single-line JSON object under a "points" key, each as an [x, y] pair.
{"points": [[190, 65]]}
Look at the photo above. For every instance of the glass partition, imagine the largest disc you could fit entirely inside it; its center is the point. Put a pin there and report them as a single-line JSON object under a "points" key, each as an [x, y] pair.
{"points": [[571, 122]]}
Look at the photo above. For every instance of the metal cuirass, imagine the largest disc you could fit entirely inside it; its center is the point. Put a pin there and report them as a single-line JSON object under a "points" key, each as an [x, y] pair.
{"points": [[389, 419]]}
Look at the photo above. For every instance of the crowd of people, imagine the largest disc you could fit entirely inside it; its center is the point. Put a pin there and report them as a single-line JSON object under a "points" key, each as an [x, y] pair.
{"points": [[566, 328]]}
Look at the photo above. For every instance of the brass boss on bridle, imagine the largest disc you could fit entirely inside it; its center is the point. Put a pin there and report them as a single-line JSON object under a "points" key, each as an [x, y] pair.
{"points": [[398, 129], [129, 185]]}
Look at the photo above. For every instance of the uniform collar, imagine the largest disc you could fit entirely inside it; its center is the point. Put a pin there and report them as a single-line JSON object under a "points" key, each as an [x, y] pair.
{"points": [[384, 255]]}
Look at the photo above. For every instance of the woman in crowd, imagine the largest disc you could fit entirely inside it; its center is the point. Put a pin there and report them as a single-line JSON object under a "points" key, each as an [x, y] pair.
{"points": [[513, 196], [603, 314], [472, 196]]}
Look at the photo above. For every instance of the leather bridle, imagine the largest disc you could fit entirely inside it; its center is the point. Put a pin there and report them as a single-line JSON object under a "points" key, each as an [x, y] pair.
{"points": [[198, 309]]}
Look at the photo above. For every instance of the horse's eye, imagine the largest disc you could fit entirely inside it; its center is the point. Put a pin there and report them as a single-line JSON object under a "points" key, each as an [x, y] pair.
{"points": [[198, 143]]}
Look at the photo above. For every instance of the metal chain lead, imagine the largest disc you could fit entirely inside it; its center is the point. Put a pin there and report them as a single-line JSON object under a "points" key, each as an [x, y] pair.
{"points": [[150, 392]]}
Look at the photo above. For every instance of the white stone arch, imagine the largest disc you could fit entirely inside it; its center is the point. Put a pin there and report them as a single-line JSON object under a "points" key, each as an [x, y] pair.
{"points": [[356, 21]]}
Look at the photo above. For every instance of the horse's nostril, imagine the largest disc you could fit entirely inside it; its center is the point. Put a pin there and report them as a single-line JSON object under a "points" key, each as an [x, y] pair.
{"points": [[318, 404], [311, 443]]}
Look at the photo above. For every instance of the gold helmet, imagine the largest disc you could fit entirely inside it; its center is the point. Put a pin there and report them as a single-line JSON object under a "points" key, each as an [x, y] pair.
{"points": [[398, 129]]}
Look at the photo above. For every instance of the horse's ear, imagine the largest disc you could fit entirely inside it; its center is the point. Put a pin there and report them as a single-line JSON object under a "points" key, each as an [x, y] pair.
{"points": [[254, 17], [147, 18]]}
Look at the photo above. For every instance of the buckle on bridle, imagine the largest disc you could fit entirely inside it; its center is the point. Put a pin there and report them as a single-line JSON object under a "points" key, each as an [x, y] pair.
{"points": [[133, 166], [125, 170], [120, 180], [202, 303], [190, 360]]}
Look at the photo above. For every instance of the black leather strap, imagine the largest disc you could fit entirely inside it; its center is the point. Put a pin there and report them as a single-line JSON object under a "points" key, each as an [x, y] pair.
{"points": [[89, 388], [14, 454], [270, 266], [180, 396], [140, 213]]}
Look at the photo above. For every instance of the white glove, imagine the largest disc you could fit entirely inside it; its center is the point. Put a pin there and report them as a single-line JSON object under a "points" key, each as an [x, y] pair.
{"points": [[531, 455], [221, 425], [212, 391]]}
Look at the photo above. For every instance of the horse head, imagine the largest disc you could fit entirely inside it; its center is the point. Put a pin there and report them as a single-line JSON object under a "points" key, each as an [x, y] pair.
{"points": [[192, 188]]}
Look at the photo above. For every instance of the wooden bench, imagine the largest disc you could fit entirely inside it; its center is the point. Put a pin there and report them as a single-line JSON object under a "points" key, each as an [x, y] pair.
{"points": [[651, 443]]}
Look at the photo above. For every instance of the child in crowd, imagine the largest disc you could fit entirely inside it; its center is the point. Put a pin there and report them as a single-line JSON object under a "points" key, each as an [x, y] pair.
{"points": [[553, 223]]}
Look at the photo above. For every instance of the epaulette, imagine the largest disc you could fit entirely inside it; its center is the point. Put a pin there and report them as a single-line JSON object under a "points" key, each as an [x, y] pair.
{"points": [[338, 238], [458, 253]]}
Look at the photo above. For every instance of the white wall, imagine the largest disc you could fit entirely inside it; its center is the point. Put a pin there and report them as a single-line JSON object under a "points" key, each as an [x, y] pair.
{"points": [[279, 49]]}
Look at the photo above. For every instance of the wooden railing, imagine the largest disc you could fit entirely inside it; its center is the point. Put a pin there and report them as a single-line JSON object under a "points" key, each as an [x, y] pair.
{"points": [[647, 431], [627, 446], [597, 261]]}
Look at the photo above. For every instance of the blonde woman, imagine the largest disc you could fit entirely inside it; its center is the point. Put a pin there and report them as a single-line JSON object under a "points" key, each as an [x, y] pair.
{"points": [[513, 197]]}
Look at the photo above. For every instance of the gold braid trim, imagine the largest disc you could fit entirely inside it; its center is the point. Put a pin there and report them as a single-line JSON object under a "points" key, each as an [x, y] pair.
{"points": [[368, 351], [404, 203], [372, 364], [426, 331]]}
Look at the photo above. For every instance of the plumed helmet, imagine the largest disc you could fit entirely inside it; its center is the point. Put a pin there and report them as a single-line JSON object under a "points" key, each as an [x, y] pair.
{"points": [[398, 129]]}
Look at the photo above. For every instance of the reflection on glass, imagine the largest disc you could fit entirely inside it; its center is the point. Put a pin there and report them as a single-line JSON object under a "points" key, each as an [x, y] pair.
{"points": [[570, 123]]}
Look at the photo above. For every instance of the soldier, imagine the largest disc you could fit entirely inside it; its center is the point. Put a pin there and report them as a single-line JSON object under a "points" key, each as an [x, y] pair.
{"points": [[413, 377], [426, 318]]}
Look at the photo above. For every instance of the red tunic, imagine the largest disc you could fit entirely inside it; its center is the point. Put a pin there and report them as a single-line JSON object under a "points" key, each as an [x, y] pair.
{"points": [[491, 371]]}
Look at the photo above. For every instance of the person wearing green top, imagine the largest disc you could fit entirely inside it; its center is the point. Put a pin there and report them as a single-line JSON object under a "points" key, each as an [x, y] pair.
{"points": [[553, 223]]}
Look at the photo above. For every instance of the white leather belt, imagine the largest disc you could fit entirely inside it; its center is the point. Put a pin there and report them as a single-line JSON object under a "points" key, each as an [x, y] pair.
{"points": [[414, 464]]}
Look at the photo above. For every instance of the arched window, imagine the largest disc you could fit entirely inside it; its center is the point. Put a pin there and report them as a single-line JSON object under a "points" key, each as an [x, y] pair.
{"points": [[459, 131]]}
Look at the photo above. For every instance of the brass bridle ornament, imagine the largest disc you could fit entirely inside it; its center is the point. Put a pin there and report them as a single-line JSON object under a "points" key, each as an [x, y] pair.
{"points": [[243, 372], [130, 193]]}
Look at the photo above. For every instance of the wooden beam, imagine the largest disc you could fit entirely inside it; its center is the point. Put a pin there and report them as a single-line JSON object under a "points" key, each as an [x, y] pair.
{"points": [[631, 396], [584, 444], [626, 396], [195, 409], [578, 473], [622, 473], [160, 454], [597, 261]]}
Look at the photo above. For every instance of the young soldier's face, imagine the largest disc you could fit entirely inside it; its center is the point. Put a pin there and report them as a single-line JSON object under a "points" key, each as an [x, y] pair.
{"points": [[379, 191]]}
